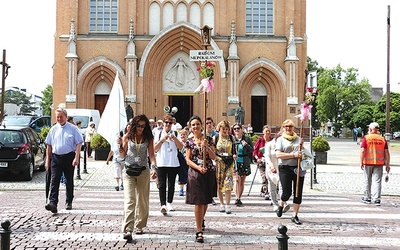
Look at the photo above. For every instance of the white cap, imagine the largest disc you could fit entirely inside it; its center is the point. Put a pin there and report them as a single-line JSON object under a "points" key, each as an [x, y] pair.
{"points": [[160, 121], [151, 120], [374, 125]]}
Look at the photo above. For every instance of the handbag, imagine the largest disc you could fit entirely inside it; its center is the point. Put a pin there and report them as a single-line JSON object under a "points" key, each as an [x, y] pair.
{"points": [[228, 160], [307, 160], [134, 170]]}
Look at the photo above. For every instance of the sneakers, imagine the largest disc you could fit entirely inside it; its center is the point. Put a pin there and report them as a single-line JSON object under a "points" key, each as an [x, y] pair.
{"points": [[222, 208], [116, 188], [121, 187], [267, 197], [366, 200], [163, 210], [181, 192], [279, 211], [68, 206], [213, 202], [296, 220], [51, 207], [377, 203], [228, 209], [286, 208], [169, 207], [238, 202]]}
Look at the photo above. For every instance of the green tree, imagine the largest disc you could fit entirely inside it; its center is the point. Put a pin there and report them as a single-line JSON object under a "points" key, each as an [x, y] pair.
{"points": [[21, 100], [379, 114], [339, 91], [47, 100]]}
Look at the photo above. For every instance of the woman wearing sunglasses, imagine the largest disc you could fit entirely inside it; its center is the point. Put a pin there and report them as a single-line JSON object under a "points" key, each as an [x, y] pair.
{"points": [[136, 145], [244, 150], [288, 151], [167, 144]]}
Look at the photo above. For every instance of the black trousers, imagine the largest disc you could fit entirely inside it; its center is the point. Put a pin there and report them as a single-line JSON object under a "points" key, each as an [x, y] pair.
{"points": [[288, 179], [166, 174], [62, 164]]}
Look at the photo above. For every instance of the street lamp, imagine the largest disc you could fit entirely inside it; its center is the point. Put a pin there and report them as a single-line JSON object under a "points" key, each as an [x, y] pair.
{"points": [[5, 68]]}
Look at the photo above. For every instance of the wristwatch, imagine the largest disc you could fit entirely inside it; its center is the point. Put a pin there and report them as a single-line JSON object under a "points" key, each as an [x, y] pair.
{"points": [[154, 167]]}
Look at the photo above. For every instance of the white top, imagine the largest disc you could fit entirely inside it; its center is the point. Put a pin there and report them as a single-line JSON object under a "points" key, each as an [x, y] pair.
{"points": [[167, 155]]}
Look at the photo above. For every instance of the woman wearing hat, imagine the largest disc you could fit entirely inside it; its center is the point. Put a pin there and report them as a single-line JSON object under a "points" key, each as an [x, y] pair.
{"points": [[90, 132]]}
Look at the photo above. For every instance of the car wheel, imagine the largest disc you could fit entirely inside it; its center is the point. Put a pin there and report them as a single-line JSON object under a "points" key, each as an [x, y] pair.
{"points": [[28, 174]]}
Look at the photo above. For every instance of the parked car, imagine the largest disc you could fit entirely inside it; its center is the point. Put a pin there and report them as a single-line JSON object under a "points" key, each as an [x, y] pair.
{"points": [[396, 135], [35, 122], [21, 151]]}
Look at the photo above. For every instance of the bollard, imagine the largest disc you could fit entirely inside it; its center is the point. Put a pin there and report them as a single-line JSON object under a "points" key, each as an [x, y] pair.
{"points": [[5, 235], [282, 238], [84, 161], [315, 171], [78, 171]]}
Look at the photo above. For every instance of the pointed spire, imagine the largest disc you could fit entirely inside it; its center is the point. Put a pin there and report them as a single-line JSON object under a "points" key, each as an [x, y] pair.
{"points": [[233, 32], [72, 36], [233, 49], [291, 46], [131, 48], [72, 42], [131, 31], [291, 34]]}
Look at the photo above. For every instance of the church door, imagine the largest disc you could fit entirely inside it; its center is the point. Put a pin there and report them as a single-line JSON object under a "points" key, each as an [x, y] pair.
{"points": [[100, 102], [258, 112], [185, 108]]}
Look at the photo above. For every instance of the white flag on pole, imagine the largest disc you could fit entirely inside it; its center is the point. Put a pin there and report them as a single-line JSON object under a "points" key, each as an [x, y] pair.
{"points": [[113, 120]]}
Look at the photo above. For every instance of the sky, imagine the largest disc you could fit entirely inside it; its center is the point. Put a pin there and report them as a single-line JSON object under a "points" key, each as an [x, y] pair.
{"points": [[352, 33]]}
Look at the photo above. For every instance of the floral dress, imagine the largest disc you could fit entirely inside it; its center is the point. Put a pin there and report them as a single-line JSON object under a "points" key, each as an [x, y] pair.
{"points": [[223, 148], [200, 188]]}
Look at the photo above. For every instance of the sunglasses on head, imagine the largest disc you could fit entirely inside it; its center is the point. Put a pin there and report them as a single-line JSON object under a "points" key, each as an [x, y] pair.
{"points": [[140, 126], [168, 122]]}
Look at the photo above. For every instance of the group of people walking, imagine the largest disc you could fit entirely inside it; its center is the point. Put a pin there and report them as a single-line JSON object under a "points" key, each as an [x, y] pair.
{"points": [[215, 163], [211, 163]]}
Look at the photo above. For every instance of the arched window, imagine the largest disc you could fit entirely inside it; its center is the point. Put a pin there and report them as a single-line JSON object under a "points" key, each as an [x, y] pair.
{"points": [[154, 22], [168, 15], [181, 12], [195, 14], [208, 16]]}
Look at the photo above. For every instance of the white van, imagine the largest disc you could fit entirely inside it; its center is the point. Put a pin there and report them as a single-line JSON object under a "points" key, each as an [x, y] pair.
{"points": [[85, 116]]}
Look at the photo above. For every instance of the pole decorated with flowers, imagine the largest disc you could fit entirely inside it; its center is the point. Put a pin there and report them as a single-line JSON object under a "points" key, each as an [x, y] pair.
{"points": [[206, 70], [305, 113]]}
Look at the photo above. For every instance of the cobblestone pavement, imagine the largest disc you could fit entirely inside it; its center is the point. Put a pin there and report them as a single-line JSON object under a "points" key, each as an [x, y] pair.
{"points": [[333, 216]]}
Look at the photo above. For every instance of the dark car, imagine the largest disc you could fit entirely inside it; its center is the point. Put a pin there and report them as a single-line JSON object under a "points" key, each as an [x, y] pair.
{"points": [[21, 151], [35, 122]]}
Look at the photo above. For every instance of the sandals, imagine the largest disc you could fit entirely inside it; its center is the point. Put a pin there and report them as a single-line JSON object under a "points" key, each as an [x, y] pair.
{"points": [[203, 225], [128, 236], [199, 237], [139, 231]]}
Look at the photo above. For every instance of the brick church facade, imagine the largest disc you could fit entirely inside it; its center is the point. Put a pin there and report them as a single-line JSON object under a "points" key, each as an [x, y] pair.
{"points": [[148, 42]]}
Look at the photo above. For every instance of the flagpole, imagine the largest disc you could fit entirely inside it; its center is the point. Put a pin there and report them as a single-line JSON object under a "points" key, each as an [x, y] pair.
{"points": [[387, 128]]}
